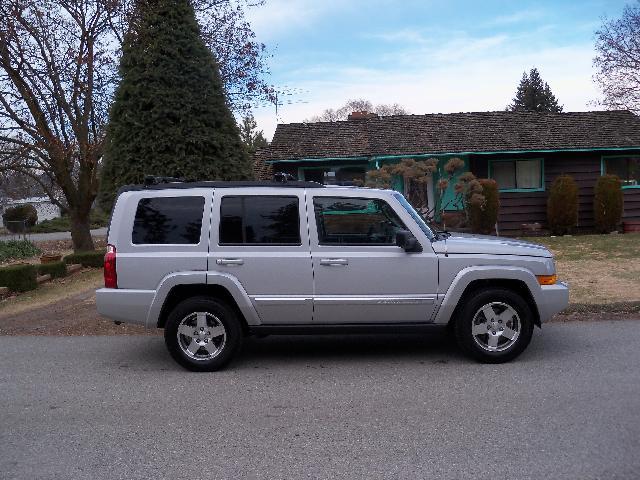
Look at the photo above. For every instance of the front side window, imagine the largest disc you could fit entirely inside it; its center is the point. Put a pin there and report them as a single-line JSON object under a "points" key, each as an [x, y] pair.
{"points": [[627, 168], [259, 220], [355, 221], [168, 220], [517, 174]]}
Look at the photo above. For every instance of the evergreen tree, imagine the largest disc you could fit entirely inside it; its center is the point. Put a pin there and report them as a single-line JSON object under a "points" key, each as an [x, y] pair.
{"points": [[252, 138], [534, 95], [170, 116]]}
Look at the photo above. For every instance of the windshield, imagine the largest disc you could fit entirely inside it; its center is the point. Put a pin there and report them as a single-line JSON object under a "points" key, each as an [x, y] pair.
{"points": [[415, 215]]}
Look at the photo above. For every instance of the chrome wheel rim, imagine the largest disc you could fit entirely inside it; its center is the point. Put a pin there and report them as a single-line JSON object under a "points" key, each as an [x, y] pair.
{"points": [[496, 327], [201, 336]]}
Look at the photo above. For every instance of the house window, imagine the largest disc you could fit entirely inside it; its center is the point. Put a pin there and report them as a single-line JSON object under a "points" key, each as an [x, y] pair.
{"points": [[352, 175], [625, 167], [517, 175]]}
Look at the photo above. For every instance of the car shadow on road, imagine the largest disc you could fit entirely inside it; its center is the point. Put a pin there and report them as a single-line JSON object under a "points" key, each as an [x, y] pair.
{"points": [[347, 348]]}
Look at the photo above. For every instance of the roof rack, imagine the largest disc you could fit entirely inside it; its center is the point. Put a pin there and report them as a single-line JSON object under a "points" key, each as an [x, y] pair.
{"points": [[220, 184]]}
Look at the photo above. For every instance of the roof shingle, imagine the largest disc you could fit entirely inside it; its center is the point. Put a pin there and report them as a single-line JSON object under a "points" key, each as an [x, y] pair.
{"points": [[454, 133]]}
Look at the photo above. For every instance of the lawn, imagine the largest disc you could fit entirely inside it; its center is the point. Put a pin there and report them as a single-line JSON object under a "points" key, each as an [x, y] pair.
{"points": [[598, 268]]}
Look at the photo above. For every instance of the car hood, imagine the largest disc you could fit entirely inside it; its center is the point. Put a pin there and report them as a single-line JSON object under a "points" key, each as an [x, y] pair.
{"points": [[475, 244]]}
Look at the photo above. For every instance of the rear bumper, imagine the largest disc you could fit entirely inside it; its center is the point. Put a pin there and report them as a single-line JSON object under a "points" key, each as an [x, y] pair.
{"points": [[555, 298], [125, 305]]}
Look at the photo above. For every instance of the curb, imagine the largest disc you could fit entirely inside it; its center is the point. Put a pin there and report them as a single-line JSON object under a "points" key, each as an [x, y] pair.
{"points": [[614, 307]]}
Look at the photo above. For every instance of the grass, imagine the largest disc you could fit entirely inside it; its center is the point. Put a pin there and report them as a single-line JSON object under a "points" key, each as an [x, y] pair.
{"points": [[599, 268], [52, 292], [17, 249]]}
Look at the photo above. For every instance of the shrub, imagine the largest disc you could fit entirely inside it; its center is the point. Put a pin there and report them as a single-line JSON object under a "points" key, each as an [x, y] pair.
{"points": [[19, 278], [17, 249], [20, 213], [562, 205], [55, 269], [94, 258], [483, 215], [607, 203]]}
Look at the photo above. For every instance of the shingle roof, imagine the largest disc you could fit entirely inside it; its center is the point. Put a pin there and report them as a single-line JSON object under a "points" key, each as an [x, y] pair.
{"points": [[454, 133]]}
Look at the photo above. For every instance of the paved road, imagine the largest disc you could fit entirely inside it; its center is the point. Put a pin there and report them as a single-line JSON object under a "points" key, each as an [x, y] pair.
{"points": [[41, 237], [332, 407]]}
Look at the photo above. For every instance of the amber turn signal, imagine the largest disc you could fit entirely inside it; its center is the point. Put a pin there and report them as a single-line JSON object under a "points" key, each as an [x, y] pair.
{"points": [[547, 279]]}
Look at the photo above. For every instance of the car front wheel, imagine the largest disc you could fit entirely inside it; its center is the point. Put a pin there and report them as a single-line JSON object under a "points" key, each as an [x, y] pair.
{"points": [[494, 326]]}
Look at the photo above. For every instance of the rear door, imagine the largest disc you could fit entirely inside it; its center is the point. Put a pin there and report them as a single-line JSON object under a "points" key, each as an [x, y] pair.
{"points": [[361, 276], [261, 238], [164, 231]]}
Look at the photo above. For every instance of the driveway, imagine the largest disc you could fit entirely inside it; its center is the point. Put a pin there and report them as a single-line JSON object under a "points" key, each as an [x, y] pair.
{"points": [[42, 237], [324, 407]]}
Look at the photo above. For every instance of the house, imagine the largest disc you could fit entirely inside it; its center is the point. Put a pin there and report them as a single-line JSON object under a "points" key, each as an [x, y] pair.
{"points": [[522, 151]]}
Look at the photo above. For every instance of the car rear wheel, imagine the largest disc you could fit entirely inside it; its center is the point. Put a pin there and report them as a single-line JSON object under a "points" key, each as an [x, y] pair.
{"points": [[202, 334], [494, 326]]}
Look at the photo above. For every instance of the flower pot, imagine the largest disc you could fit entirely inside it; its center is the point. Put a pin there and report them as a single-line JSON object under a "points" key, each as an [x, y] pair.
{"points": [[50, 258]]}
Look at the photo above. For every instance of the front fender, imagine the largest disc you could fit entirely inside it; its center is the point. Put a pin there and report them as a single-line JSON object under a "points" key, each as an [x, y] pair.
{"points": [[485, 272]]}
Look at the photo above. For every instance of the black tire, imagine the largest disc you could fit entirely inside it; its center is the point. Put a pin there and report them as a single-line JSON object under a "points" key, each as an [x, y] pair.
{"points": [[463, 325], [216, 311]]}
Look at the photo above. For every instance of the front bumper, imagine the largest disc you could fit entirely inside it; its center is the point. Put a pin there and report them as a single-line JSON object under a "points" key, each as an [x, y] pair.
{"points": [[125, 305], [554, 299]]}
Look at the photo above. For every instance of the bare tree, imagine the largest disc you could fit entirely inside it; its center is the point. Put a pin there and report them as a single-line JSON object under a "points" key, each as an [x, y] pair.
{"points": [[357, 105], [55, 80], [58, 70], [618, 60]]}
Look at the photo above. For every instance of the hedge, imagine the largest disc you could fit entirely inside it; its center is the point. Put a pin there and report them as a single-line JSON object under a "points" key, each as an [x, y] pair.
{"points": [[562, 205], [607, 203], [55, 269], [94, 258], [19, 278]]}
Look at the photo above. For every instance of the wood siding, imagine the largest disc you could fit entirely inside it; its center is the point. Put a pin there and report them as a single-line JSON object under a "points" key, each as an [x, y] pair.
{"points": [[517, 208]]}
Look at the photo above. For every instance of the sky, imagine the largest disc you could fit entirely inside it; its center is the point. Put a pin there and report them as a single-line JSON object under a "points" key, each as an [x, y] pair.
{"points": [[430, 56]]}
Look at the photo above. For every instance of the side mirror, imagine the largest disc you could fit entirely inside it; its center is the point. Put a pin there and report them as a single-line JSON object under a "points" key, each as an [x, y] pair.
{"points": [[406, 240]]}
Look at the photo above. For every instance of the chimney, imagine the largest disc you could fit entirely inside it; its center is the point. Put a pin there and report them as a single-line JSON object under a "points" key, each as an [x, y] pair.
{"points": [[362, 115]]}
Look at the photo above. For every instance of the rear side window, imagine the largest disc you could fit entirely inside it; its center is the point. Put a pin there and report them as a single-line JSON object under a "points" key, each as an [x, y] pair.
{"points": [[355, 221], [259, 220], [168, 220]]}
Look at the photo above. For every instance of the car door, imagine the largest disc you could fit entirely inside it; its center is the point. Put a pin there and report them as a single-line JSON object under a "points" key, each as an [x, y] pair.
{"points": [[360, 275], [260, 237]]}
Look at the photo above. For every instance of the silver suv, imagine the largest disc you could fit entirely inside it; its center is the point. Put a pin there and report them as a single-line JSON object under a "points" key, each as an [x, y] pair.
{"points": [[212, 262]]}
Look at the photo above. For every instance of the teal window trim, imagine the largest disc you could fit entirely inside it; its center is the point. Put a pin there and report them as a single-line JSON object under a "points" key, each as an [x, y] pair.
{"points": [[603, 172], [519, 190]]}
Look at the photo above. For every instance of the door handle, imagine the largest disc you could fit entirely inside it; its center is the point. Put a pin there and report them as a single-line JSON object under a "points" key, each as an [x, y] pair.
{"points": [[334, 261], [229, 261]]}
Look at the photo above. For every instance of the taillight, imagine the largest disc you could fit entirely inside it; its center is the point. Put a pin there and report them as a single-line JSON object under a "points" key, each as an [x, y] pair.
{"points": [[110, 274]]}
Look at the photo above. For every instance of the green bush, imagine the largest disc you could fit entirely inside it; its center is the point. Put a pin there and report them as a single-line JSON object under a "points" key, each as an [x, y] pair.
{"points": [[94, 258], [20, 213], [97, 219], [55, 269], [484, 216], [607, 203], [19, 278], [562, 205], [12, 249]]}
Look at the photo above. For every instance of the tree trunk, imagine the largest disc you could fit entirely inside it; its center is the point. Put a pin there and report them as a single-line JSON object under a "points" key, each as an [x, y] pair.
{"points": [[80, 231]]}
